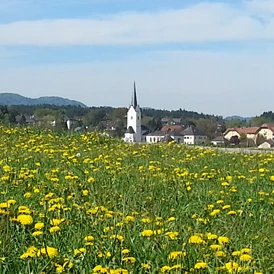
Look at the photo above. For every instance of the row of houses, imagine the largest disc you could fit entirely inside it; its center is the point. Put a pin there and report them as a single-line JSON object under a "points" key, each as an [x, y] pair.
{"points": [[190, 135], [262, 136]]}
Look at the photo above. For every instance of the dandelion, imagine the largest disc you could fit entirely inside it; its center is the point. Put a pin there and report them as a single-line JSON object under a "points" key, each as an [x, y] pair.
{"points": [[125, 251], [56, 222], [24, 219], [48, 251], [165, 269], [215, 212], [89, 238], [231, 267], [246, 258], [30, 253], [200, 265], [131, 260], [211, 236], [223, 240], [54, 229], [37, 233], [220, 254], [175, 254], [196, 240], [81, 250], [39, 226], [91, 180], [145, 265], [147, 233], [85, 192], [172, 235], [27, 195], [215, 247]]}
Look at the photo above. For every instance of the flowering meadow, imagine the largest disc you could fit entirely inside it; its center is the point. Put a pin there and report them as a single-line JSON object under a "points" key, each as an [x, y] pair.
{"points": [[83, 203]]}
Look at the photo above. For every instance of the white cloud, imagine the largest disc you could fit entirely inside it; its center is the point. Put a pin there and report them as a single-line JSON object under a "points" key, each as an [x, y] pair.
{"points": [[204, 22], [210, 82], [261, 6]]}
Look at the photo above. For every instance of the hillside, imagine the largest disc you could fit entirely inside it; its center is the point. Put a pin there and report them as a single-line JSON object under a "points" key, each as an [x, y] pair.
{"points": [[236, 117], [10, 99]]}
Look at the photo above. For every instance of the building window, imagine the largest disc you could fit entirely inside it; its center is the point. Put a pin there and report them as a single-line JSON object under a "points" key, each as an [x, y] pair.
{"points": [[131, 117]]}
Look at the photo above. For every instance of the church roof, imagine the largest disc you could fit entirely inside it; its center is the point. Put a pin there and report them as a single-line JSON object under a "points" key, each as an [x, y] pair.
{"points": [[134, 97], [130, 130]]}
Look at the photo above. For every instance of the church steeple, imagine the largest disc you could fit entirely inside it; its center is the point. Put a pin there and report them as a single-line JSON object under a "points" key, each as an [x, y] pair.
{"points": [[134, 117], [134, 97]]}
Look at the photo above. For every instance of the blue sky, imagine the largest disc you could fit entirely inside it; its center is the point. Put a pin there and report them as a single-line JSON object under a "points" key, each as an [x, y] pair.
{"points": [[207, 56]]}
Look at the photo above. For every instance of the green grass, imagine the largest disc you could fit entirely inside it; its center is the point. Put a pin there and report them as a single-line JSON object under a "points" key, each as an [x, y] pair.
{"points": [[120, 193]]}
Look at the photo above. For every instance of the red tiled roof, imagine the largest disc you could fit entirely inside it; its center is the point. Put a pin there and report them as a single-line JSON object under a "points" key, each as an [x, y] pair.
{"points": [[243, 130], [172, 128]]}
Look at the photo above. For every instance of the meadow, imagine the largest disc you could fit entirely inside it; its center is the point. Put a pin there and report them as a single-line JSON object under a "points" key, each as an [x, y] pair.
{"points": [[85, 203]]}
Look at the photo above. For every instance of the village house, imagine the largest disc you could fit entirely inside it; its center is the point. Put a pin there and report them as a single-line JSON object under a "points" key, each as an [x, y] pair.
{"points": [[267, 144], [193, 136], [267, 131], [220, 141], [160, 136], [250, 133], [171, 121]]}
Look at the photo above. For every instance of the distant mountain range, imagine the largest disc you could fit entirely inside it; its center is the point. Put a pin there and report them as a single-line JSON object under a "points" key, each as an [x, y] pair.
{"points": [[235, 117], [10, 99]]}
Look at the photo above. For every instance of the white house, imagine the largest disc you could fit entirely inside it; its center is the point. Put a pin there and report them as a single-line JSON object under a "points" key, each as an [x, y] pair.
{"points": [[134, 130], [250, 133], [267, 144], [219, 140], [193, 136], [267, 131]]}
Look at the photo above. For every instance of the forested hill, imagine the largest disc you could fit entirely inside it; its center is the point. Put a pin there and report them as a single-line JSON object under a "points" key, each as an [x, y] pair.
{"points": [[12, 99]]}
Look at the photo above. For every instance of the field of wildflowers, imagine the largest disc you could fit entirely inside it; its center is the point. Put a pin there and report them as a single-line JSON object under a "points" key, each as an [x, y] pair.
{"points": [[88, 204]]}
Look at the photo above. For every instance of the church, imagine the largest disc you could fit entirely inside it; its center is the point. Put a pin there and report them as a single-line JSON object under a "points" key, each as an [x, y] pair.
{"points": [[137, 133], [134, 117]]}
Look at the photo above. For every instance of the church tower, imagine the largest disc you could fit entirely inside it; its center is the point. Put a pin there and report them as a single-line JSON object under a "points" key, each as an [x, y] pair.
{"points": [[134, 131]]}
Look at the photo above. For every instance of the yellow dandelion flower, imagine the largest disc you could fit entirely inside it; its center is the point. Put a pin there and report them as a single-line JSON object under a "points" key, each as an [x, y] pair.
{"points": [[196, 239], [211, 236], [236, 253], [215, 247], [131, 260], [165, 269], [24, 219], [174, 254], [54, 229], [246, 258], [220, 253], [30, 253], [27, 195], [39, 226], [125, 251], [81, 250], [48, 251], [223, 240], [89, 239], [200, 265], [37, 233], [231, 267], [215, 212], [147, 233]]}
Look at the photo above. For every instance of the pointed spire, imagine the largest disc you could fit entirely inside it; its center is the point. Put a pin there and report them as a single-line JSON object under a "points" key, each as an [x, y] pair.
{"points": [[134, 97]]}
